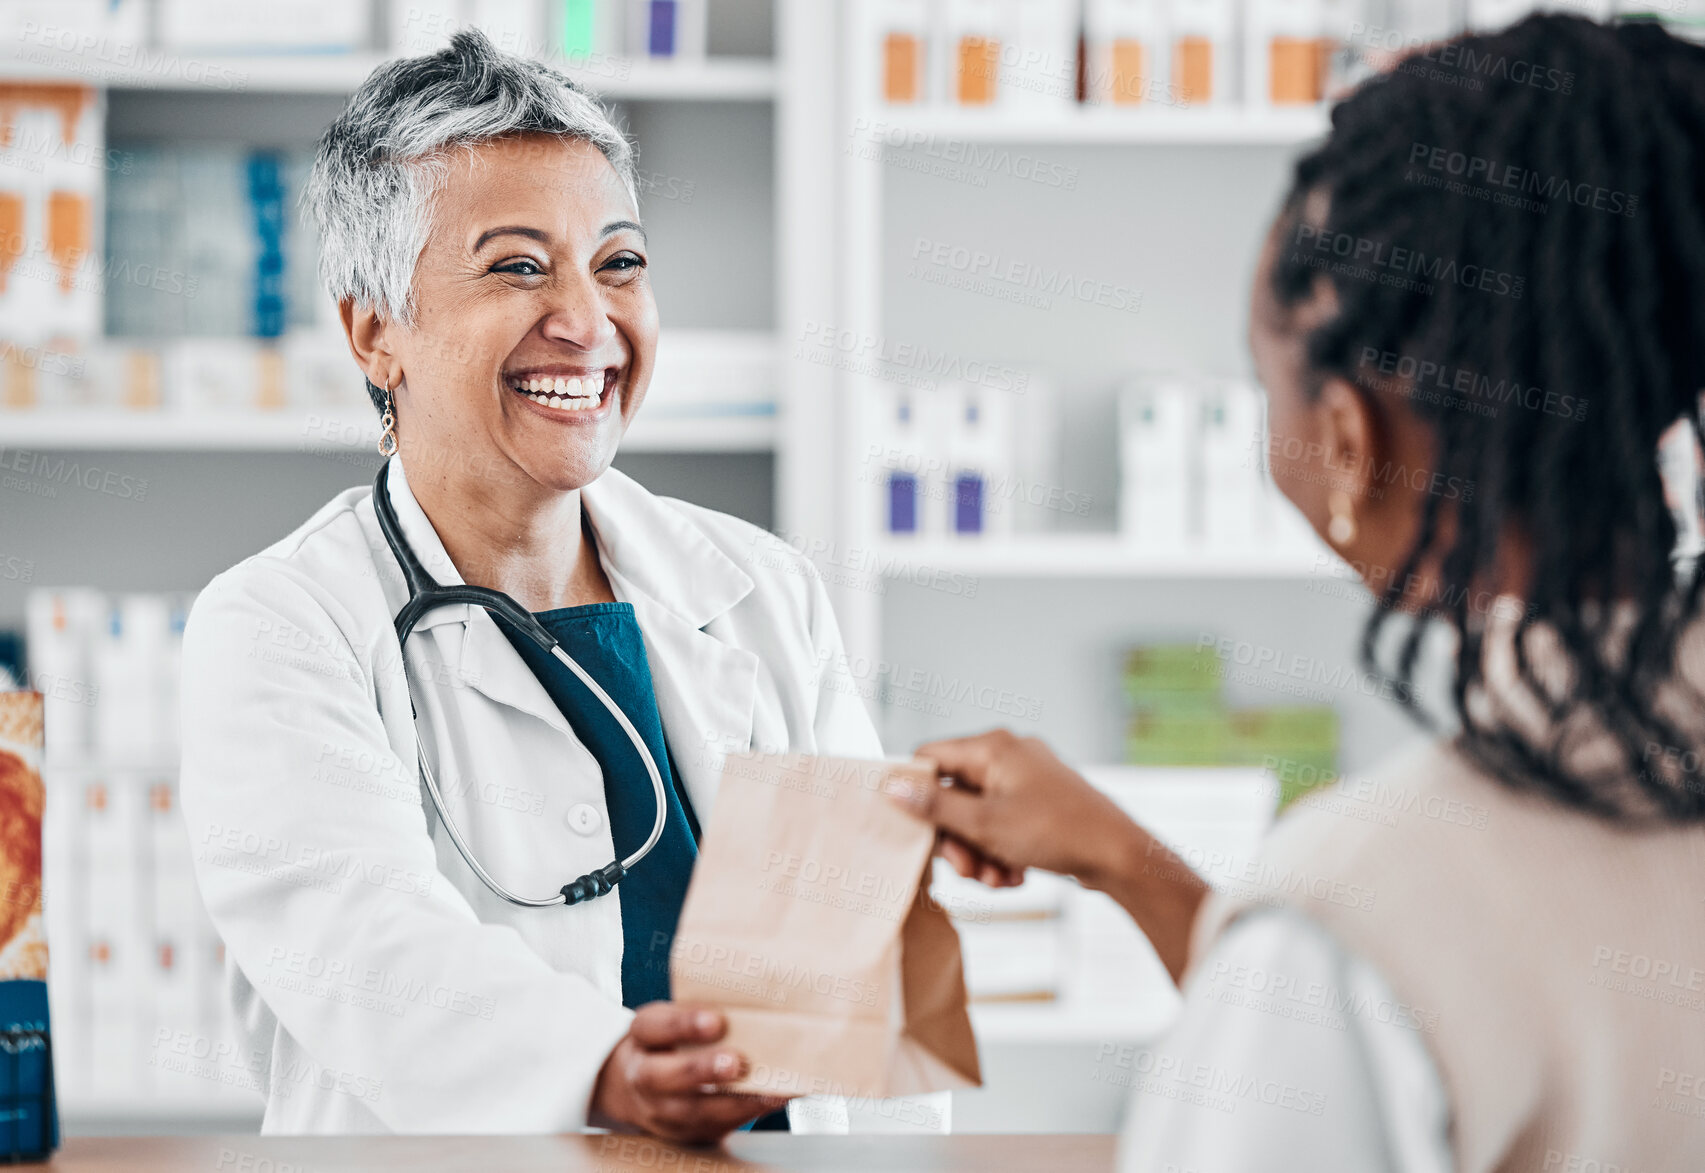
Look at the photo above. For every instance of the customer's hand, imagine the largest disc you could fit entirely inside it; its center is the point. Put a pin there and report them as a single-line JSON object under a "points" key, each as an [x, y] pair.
{"points": [[1007, 803], [1013, 805], [665, 1077]]}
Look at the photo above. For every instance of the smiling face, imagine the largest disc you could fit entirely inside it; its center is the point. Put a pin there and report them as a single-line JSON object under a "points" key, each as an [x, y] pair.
{"points": [[536, 330]]}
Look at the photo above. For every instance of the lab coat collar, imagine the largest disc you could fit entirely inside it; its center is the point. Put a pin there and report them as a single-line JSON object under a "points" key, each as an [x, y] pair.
{"points": [[650, 546], [677, 581]]}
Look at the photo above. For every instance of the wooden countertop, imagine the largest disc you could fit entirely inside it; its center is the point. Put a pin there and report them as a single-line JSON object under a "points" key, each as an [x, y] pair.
{"points": [[965, 1153]]}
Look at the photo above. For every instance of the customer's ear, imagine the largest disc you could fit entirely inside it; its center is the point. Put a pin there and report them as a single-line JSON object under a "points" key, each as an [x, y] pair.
{"points": [[368, 337], [1352, 443]]}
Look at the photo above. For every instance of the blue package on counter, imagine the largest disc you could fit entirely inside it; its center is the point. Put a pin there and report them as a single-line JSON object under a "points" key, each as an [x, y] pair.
{"points": [[29, 1120]]}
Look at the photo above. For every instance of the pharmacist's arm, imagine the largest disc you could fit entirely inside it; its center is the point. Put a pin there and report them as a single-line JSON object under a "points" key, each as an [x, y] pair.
{"points": [[1014, 805], [330, 900]]}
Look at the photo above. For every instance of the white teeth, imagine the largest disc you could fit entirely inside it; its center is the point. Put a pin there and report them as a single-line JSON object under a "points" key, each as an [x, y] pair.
{"points": [[562, 393]]}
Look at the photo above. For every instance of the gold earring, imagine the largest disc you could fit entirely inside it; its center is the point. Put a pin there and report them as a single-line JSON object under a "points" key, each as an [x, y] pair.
{"points": [[388, 421], [1341, 530]]}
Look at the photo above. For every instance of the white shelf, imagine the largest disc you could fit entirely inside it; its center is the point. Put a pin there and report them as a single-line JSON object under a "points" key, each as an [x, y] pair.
{"points": [[328, 432], [1097, 556], [1065, 1022], [714, 79], [1204, 127]]}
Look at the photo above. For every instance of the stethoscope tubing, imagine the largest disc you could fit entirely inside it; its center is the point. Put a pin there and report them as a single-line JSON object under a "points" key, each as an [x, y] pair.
{"points": [[425, 594]]}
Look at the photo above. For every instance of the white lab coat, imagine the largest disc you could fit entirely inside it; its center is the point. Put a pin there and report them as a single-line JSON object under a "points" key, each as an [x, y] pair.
{"points": [[377, 983]]}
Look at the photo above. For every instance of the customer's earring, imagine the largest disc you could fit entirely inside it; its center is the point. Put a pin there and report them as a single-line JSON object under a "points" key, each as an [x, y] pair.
{"points": [[388, 421], [1341, 530]]}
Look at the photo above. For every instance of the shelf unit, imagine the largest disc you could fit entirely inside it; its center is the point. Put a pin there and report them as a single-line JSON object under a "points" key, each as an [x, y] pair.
{"points": [[303, 431], [1229, 126], [1101, 556], [847, 509], [717, 79]]}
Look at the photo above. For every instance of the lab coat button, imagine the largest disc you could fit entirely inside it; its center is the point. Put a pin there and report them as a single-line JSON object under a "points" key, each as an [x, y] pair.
{"points": [[584, 818]]}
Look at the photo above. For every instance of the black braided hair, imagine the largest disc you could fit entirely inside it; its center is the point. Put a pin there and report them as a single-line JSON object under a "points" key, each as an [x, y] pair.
{"points": [[1569, 264]]}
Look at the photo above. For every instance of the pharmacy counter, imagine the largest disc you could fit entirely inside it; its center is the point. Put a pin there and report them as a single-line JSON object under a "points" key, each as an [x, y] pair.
{"points": [[968, 1153]]}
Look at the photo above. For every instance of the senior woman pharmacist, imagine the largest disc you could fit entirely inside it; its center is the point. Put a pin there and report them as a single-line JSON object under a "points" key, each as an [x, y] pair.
{"points": [[1450, 976], [480, 234]]}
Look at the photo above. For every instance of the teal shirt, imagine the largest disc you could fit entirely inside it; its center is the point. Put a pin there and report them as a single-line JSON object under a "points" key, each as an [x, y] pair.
{"points": [[605, 640]]}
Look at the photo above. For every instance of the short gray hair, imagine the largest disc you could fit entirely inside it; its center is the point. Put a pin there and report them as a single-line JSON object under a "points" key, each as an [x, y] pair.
{"points": [[382, 160]]}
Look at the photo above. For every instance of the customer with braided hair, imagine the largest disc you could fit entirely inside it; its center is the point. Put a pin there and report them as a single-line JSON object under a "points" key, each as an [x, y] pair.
{"points": [[1481, 306]]}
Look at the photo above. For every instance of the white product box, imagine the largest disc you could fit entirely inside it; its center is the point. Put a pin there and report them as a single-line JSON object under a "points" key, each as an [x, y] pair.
{"points": [[212, 374], [1126, 52], [902, 460], [1232, 481], [714, 372], [1157, 432], [1284, 52], [968, 51], [1038, 63], [130, 657], [68, 25], [51, 215], [515, 26], [320, 375], [978, 443], [60, 628], [328, 26], [116, 910], [904, 34], [174, 925], [1202, 51]]}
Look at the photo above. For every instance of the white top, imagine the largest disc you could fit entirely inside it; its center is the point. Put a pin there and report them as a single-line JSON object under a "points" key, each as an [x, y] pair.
{"points": [[1289, 1051]]}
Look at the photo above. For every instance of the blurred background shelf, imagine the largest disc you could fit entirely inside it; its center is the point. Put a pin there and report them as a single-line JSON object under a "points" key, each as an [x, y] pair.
{"points": [[1100, 556], [1216, 127], [1046, 1022], [620, 78], [310, 432]]}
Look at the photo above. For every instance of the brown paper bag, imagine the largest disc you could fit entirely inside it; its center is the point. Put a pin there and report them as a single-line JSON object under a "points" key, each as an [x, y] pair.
{"points": [[808, 923]]}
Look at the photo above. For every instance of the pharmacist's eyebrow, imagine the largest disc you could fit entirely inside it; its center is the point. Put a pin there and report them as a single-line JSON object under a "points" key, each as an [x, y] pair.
{"points": [[610, 229], [615, 226], [512, 230]]}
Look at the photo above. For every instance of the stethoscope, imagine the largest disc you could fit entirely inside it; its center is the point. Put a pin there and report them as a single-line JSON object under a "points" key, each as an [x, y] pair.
{"points": [[424, 594]]}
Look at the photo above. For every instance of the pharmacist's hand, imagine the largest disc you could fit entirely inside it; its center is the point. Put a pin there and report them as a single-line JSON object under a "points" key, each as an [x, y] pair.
{"points": [[1007, 803], [665, 1077]]}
